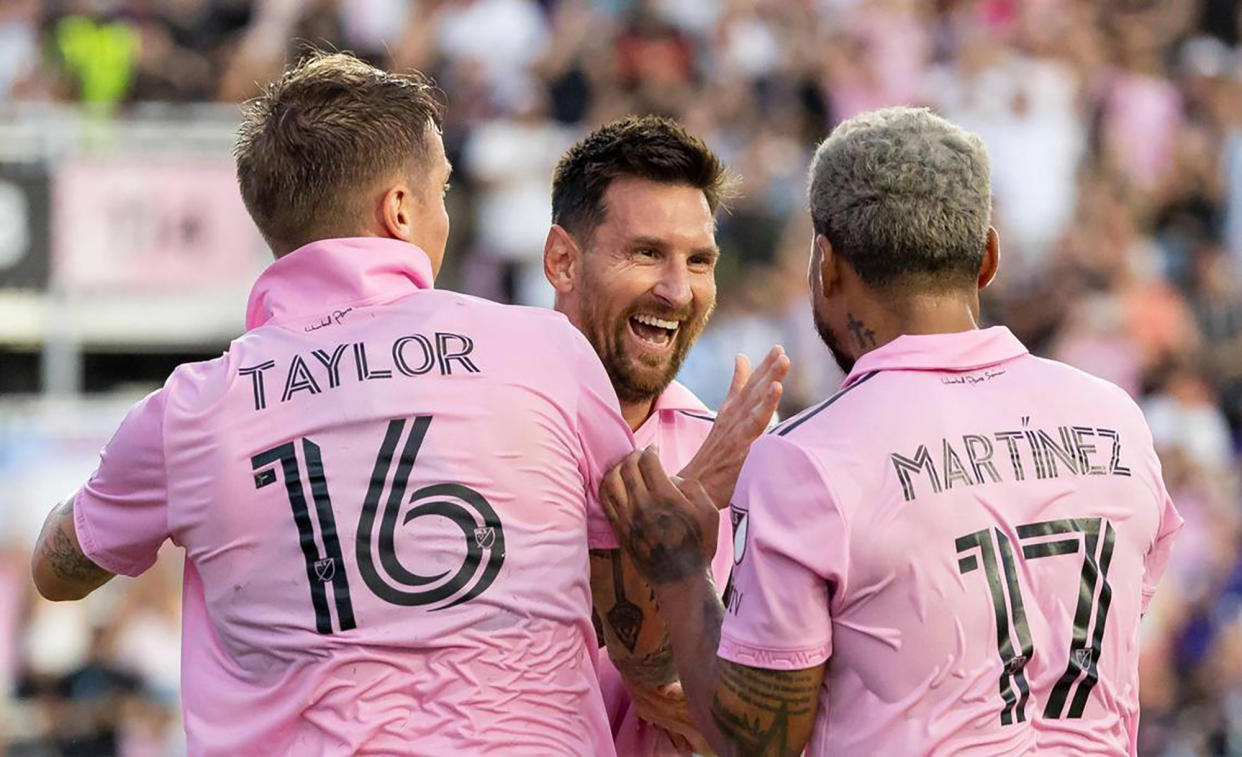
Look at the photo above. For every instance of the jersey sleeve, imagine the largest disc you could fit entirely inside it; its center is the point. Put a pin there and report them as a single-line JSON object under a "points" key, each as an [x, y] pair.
{"points": [[1157, 557], [603, 433], [121, 514], [789, 553]]}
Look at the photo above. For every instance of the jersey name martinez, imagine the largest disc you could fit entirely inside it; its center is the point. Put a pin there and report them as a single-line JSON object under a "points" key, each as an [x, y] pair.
{"points": [[1019, 455], [411, 355]]}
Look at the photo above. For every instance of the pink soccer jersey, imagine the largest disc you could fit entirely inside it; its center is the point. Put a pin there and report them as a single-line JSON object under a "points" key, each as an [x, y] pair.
{"points": [[968, 535], [678, 424], [385, 494]]}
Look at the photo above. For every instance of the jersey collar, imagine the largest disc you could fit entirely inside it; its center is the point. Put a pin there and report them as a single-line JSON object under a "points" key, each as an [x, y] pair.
{"points": [[959, 351], [677, 397], [334, 273]]}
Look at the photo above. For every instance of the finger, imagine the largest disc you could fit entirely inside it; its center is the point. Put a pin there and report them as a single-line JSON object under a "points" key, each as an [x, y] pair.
{"points": [[680, 743], [635, 487], [699, 745], [697, 494], [775, 366], [769, 400], [612, 497], [741, 374], [765, 373], [769, 359], [781, 366], [656, 479]]}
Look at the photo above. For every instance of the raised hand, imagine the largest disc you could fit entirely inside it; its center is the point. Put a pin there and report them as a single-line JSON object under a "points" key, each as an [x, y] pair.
{"points": [[667, 528], [745, 413]]}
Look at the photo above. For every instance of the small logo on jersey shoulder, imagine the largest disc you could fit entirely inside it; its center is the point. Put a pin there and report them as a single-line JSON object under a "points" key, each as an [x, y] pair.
{"points": [[484, 537], [740, 518], [1083, 657], [264, 477], [1016, 665], [325, 569]]}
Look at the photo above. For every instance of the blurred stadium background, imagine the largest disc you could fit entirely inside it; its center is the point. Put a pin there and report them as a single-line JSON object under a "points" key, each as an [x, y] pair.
{"points": [[1115, 130]]}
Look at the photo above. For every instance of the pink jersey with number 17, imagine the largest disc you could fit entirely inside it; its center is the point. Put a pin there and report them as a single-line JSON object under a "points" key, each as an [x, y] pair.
{"points": [[385, 494], [968, 535]]}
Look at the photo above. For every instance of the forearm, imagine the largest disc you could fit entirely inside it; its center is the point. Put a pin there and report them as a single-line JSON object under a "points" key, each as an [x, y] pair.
{"points": [[60, 570], [633, 633], [692, 614]]}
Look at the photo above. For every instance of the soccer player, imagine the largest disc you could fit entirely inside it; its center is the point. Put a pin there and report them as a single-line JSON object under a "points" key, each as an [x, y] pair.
{"points": [[951, 554], [384, 491], [632, 257]]}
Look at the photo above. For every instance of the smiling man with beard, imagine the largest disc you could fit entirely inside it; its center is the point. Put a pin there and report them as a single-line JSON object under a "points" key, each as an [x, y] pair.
{"points": [[632, 255]]}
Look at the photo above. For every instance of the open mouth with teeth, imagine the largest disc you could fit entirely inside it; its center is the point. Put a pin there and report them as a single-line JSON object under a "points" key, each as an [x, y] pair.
{"points": [[653, 332]]}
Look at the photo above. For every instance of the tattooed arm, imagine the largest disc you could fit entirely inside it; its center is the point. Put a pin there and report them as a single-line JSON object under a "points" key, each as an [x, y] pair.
{"points": [[626, 618], [741, 710], [667, 532], [633, 633], [60, 570]]}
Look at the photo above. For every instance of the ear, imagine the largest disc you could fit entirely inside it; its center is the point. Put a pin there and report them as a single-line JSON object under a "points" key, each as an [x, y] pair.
{"points": [[561, 259], [991, 259], [829, 277], [396, 212]]}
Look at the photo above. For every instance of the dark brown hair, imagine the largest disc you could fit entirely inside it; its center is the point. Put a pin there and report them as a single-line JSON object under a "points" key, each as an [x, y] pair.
{"points": [[328, 128], [647, 147]]}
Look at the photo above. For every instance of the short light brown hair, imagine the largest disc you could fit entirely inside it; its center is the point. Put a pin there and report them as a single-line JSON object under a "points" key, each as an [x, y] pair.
{"points": [[328, 129]]}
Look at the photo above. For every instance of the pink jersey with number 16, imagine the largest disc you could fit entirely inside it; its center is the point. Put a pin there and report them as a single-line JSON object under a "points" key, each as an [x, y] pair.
{"points": [[968, 535], [385, 494]]}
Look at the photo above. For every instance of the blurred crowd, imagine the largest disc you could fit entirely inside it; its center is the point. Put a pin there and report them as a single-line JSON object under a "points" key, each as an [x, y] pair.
{"points": [[1115, 131]]}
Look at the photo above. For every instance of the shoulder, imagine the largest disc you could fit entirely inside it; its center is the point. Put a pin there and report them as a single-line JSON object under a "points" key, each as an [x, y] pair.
{"points": [[1065, 378], [864, 390], [539, 325], [199, 383]]}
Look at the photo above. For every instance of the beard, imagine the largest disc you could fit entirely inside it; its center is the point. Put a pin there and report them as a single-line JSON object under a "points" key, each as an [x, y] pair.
{"points": [[845, 361], [635, 376]]}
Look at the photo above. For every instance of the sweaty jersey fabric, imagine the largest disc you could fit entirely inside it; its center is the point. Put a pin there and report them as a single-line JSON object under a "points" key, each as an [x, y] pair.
{"points": [[679, 423], [968, 535], [385, 494]]}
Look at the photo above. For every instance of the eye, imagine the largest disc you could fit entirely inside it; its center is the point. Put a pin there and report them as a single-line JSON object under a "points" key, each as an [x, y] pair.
{"points": [[647, 252], [702, 261]]}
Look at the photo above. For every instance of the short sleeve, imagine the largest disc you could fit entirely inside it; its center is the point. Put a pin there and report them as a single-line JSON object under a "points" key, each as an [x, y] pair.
{"points": [[121, 514], [789, 551], [1157, 557], [603, 433]]}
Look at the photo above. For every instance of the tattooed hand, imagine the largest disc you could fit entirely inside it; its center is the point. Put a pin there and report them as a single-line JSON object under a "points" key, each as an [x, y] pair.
{"points": [[743, 416], [668, 529]]}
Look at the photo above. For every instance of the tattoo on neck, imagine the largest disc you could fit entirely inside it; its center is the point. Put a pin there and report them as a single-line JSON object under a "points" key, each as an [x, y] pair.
{"points": [[864, 337]]}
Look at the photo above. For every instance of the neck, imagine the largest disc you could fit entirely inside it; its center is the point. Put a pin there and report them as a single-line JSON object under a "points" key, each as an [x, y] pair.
{"points": [[637, 412], [872, 325]]}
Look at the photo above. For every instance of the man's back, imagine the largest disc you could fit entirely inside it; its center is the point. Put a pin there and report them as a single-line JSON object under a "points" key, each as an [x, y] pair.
{"points": [[382, 492], [986, 527]]}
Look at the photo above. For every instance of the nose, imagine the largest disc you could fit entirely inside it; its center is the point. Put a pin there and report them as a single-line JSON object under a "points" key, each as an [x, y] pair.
{"points": [[674, 285]]}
